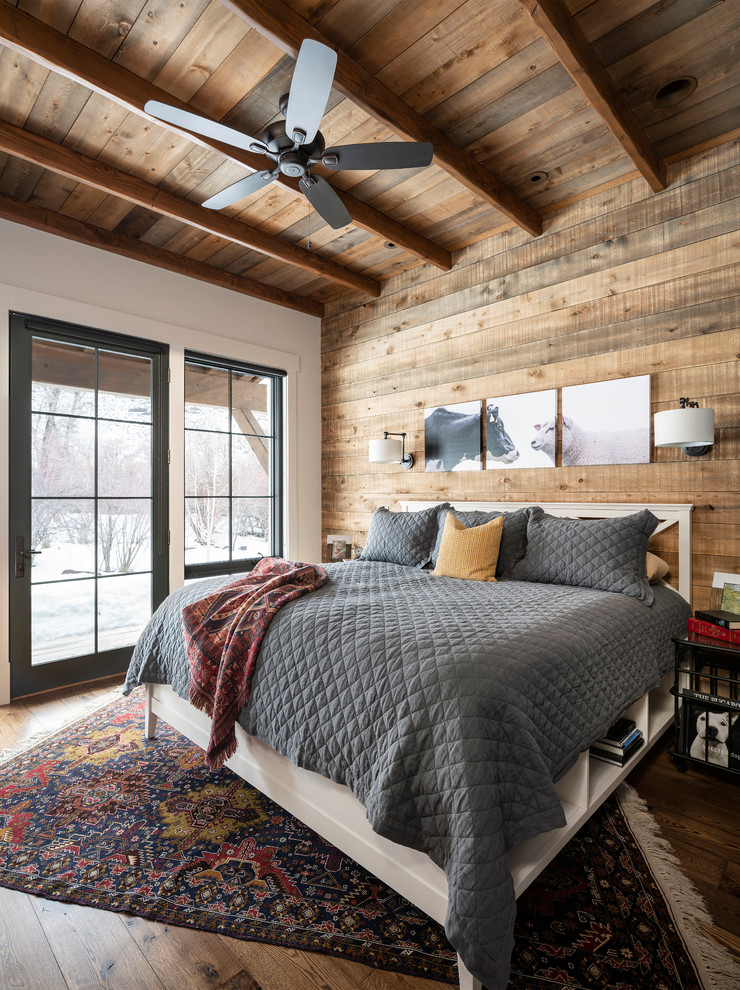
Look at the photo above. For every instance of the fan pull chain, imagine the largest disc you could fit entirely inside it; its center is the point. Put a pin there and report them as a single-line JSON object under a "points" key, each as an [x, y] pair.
{"points": [[308, 244]]}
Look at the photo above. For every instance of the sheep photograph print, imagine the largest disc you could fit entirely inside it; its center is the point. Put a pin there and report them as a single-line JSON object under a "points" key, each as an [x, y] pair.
{"points": [[520, 430], [453, 437], [607, 422]]}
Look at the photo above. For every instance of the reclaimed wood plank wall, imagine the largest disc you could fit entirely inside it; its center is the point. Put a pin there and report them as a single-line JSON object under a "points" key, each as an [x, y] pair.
{"points": [[623, 283]]}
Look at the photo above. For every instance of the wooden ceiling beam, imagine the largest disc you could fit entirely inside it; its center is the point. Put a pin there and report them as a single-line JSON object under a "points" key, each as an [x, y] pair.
{"points": [[129, 247], [375, 222], [577, 56], [278, 22], [67, 57], [32, 148]]}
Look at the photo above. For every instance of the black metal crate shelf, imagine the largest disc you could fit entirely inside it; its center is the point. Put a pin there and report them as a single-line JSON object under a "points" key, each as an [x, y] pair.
{"points": [[707, 700]]}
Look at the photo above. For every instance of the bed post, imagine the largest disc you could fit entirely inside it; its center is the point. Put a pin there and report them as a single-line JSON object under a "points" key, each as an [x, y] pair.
{"points": [[150, 719], [467, 980]]}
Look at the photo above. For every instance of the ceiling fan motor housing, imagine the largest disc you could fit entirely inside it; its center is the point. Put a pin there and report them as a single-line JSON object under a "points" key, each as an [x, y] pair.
{"points": [[292, 161], [275, 139]]}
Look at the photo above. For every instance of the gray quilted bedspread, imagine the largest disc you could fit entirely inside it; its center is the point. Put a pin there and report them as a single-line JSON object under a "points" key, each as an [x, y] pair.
{"points": [[448, 707]]}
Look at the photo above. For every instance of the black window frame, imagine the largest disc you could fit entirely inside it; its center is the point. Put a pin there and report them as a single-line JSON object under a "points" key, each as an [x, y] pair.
{"points": [[27, 677], [277, 455]]}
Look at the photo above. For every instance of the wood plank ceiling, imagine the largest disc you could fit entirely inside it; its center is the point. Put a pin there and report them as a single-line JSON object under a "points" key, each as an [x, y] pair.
{"points": [[528, 103]]}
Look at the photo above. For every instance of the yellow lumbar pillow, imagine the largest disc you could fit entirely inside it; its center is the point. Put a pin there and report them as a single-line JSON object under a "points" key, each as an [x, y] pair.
{"points": [[656, 568], [469, 553]]}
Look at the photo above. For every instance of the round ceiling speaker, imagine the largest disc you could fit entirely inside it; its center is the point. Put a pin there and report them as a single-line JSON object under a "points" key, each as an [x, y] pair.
{"points": [[674, 92]]}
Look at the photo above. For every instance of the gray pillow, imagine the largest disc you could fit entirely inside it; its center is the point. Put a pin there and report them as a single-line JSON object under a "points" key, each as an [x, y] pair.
{"points": [[607, 554], [513, 537], [402, 537]]}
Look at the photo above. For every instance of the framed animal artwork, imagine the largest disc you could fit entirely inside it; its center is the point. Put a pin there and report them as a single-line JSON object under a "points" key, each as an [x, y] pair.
{"points": [[607, 422], [453, 437], [521, 430]]}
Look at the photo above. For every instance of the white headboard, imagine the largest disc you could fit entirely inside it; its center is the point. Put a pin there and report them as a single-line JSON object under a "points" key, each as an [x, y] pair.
{"points": [[669, 515]]}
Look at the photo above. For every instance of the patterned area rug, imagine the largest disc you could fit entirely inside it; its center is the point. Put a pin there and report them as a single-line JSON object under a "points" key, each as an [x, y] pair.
{"points": [[99, 816]]}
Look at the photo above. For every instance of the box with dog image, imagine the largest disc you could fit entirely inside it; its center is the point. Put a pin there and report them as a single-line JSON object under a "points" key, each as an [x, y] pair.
{"points": [[711, 733]]}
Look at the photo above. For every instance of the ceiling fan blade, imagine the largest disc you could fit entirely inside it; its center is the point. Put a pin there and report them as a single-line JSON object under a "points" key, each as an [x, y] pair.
{"points": [[394, 154], [239, 190], [202, 125], [309, 90], [325, 201]]}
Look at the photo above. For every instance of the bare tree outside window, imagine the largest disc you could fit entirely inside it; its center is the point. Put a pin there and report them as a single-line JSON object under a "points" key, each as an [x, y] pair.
{"points": [[63, 472], [123, 532]]}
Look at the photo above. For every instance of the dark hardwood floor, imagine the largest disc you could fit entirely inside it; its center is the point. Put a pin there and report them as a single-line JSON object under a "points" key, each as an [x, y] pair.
{"points": [[46, 945]]}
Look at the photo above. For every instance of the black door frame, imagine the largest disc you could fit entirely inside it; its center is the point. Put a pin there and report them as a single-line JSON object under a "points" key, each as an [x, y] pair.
{"points": [[24, 677]]}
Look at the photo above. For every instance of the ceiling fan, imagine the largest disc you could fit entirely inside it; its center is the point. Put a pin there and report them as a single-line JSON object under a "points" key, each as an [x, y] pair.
{"points": [[296, 144]]}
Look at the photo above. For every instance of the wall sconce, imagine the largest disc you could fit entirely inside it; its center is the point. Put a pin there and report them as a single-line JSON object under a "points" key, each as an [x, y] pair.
{"points": [[387, 451], [689, 427]]}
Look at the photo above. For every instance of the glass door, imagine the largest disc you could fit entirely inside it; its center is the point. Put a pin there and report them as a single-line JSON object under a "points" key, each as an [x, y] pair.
{"points": [[88, 529]]}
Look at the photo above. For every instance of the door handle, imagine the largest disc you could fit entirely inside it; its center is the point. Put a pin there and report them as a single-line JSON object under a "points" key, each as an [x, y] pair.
{"points": [[21, 555]]}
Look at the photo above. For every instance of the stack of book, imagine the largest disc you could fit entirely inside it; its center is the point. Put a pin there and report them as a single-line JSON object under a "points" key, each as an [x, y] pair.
{"points": [[619, 743], [717, 623]]}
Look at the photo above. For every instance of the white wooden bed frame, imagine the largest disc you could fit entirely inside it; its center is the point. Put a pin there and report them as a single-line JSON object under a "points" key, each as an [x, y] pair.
{"points": [[333, 811]]}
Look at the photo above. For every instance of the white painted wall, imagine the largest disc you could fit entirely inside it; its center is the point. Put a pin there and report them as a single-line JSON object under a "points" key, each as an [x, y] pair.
{"points": [[48, 276]]}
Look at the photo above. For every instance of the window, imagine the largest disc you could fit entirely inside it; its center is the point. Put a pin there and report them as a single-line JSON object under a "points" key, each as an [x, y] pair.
{"points": [[233, 464], [88, 500]]}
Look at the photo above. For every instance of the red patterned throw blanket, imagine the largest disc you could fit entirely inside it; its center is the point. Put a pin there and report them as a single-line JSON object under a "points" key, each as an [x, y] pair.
{"points": [[223, 635]]}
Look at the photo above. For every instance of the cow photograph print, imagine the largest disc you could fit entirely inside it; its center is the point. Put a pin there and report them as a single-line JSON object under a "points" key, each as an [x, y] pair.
{"points": [[453, 439], [521, 430]]}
